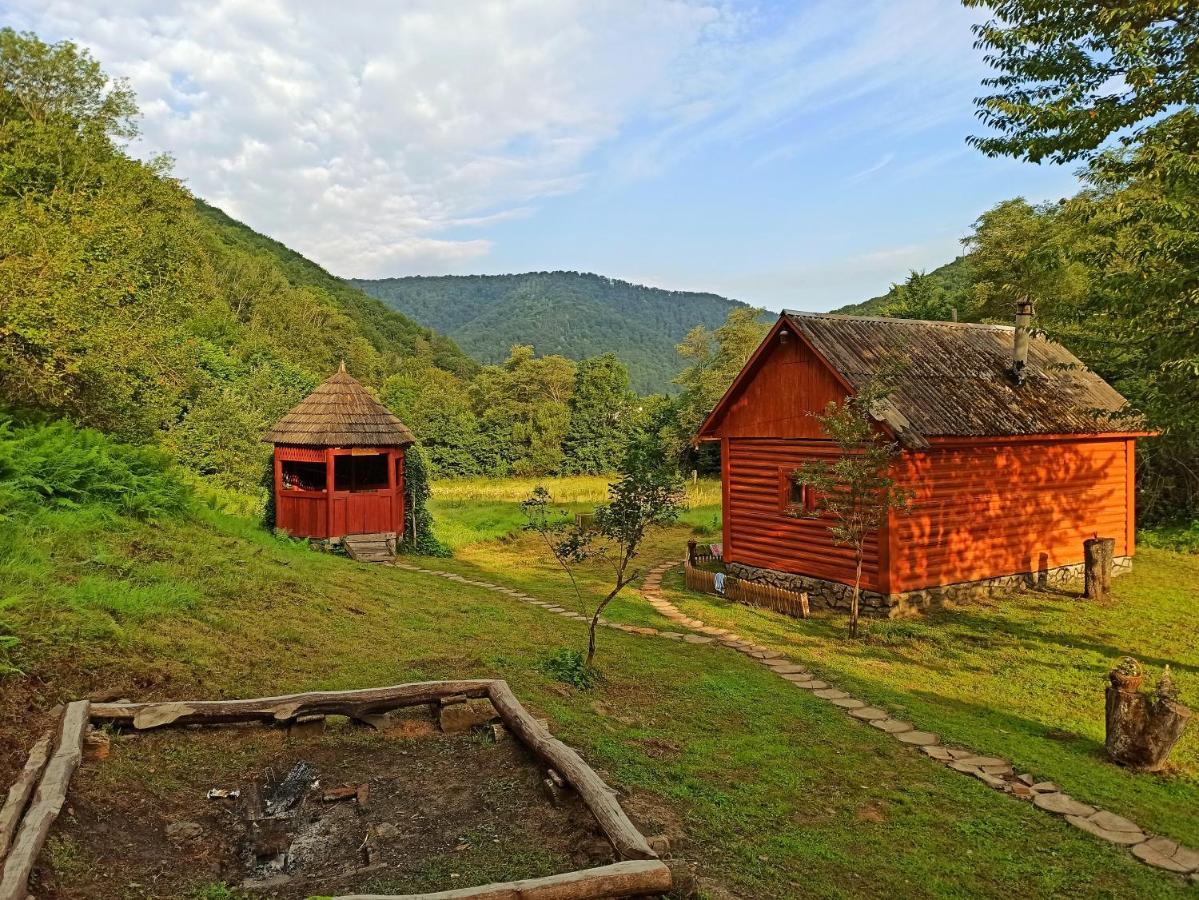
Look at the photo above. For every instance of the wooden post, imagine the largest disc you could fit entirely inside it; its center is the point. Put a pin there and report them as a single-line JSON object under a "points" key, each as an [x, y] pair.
{"points": [[1098, 554], [328, 492], [691, 551]]}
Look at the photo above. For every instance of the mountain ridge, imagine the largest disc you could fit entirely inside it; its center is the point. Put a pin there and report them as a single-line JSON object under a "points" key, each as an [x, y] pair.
{"points": [[574, 314]]}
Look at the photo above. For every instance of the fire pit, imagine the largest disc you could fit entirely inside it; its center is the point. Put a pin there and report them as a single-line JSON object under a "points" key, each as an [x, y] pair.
{"points": [[320, 804]]}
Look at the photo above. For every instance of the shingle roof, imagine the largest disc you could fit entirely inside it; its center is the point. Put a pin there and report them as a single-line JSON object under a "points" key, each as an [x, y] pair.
{"points": [[954, 378], [340, 413]]}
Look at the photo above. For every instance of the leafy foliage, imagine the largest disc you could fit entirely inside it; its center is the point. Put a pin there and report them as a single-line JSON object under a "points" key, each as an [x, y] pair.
{"points": [[418, 531], [599, 416], [1073, 73], [856, 490], [58, 465], [572, 314], [570, 667]]}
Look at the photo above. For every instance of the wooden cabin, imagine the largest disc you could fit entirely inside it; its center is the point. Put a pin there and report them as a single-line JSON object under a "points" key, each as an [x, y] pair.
{"points": [[339, 464], [1014, 451]]}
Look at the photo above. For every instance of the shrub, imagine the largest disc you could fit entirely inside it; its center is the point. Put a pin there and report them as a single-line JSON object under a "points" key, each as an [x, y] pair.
{"points": [[58, 465], [570, 667]]}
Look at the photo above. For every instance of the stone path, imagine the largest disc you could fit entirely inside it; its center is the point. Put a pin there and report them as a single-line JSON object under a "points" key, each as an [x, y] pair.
{"points": [[993, 771]]}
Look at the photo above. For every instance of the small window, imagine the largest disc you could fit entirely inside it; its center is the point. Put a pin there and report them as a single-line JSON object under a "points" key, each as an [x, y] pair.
{"points": [[303, 476], [795, 498]]}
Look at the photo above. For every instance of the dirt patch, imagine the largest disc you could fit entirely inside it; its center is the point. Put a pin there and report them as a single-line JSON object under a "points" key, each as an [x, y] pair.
{"points": [[437, 812]]}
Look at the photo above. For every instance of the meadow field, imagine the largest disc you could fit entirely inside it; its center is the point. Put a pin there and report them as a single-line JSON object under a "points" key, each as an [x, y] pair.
{"points": [[766, 791]]}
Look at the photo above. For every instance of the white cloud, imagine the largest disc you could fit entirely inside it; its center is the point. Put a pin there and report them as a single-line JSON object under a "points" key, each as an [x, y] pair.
{"points": [[369, 135]]}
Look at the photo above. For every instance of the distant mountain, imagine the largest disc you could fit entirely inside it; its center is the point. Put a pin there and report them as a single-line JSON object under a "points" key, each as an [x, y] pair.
{"points": [[574, 314], [954, 277]]}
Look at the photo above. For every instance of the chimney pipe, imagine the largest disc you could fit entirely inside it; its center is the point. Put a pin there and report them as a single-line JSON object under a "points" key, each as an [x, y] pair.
{"points": [[1024, 312]]}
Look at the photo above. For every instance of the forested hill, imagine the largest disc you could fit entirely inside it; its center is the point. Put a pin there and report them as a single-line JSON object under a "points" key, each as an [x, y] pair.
{"points": [[953, 278], [382, 326], [573, 314], [129, 306]]}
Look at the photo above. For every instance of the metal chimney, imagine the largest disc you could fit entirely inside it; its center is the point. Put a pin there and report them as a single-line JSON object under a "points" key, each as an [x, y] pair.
{"points": [[1024, 313]]}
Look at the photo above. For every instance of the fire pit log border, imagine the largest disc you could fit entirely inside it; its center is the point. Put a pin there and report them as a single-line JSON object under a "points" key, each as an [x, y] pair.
{"points": [[640, 872], [633, 878], [47, 801]]}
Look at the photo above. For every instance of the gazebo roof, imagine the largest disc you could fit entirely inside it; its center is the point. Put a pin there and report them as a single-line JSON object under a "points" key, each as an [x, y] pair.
{"points": [[340, 413]]}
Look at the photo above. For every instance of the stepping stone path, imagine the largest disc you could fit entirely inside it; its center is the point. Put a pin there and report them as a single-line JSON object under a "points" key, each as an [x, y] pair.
{"points": [[992, 771]]}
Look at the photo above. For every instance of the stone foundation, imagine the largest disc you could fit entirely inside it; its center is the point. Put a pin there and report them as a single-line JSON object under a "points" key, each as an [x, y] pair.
{"points": [[833, 595]]}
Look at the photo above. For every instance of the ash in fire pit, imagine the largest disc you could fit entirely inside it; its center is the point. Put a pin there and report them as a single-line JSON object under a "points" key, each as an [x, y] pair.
{"points": [[441, 811]]}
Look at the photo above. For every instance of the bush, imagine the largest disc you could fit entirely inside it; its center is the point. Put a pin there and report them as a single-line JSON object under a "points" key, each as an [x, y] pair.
{"points": [[59, 465], [1182, 537], [570, 667]]}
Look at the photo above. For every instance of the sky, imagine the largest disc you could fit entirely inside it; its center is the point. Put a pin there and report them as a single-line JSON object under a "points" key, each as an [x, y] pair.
{"points": [[801, 153]]}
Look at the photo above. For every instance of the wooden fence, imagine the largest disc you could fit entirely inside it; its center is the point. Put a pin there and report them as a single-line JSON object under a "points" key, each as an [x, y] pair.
{"points": [[751, 593]]}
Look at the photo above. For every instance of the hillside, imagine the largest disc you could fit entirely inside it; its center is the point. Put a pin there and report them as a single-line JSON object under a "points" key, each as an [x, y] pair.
{"points": [[386, 329], [953, 278], [128, 305], [573, 314]]}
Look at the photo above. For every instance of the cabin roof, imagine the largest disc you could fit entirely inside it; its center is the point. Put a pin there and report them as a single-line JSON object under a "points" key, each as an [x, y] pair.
{"points": [[340, 413], [954, 379]]}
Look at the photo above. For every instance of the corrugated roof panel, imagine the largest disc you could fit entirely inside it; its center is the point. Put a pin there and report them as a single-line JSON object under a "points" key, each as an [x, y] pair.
{"points": [[954, 377]]}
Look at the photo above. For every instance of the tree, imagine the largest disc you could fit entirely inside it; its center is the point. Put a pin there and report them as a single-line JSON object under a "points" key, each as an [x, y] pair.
{"points": [[1073, 73], [436, 405], [717, 358], [523, 411], [856, 491], [919, 297], [647, 496], [1020, 251], [599, 413]]}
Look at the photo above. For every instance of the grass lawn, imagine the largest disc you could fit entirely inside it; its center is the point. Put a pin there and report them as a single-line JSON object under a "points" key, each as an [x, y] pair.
{"points": [[770, 792], [1022, 676]]}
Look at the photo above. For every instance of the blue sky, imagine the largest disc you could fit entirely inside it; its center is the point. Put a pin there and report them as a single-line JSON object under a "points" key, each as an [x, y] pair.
{"points": [[803, 154]]}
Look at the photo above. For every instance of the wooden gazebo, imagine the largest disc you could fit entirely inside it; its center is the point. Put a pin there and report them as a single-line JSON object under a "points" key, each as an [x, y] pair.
{"points": [[339, 464]]}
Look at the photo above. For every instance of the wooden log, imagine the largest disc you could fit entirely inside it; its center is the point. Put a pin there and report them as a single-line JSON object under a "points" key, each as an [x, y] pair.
{"points": [[22, 790], [636, 878], [626, 839], [1098, 556], [284, 708], [48, 799], [1141, 730]]}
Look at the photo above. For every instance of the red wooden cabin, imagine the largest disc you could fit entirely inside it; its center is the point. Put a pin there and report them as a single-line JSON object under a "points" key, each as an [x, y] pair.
{"points": [[339, 464], [1014, 451]]}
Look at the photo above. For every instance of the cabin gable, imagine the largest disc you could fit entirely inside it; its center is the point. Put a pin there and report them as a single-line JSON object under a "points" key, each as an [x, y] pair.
{"points": [[782, 388]]}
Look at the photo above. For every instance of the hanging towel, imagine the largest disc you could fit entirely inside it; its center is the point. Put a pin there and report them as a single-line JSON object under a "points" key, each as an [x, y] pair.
{"points": [[720, 582]]}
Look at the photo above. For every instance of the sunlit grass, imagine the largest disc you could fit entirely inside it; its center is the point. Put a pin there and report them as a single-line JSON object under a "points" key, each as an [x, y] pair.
{"points": [[563, 488]]}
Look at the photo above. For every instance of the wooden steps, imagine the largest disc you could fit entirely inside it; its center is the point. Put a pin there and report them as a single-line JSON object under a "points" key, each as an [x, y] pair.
{"points": [[370, 548]]}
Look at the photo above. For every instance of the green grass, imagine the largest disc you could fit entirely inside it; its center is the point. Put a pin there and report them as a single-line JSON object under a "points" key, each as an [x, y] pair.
{"points": [[769, 791], [1021, 676], [473, 510]]}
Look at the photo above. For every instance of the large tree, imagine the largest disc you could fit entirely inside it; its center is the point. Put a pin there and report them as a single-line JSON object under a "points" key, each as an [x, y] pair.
{"points": [[1074, 73], [716, 358], [599, 417]]}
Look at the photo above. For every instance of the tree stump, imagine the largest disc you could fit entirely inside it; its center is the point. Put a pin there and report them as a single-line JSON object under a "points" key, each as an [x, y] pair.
{"points": [[1142, 729], [1098, 554]]}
